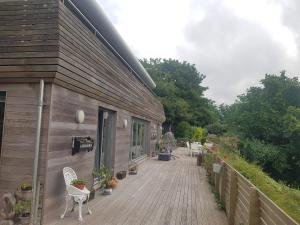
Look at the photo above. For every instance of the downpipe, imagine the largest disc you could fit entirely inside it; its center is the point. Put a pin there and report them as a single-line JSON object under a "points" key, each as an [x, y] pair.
{"points": [[35, 181]]}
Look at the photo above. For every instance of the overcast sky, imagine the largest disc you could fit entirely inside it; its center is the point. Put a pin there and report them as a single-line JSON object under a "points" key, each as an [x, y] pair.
{"points": [[233, 42]]}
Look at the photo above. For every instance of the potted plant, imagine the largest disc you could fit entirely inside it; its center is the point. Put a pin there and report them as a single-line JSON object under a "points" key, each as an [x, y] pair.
{"points": [[22, 211], [133, 167], [79, 183], [25, 192], [26, 187], [105, 178]]}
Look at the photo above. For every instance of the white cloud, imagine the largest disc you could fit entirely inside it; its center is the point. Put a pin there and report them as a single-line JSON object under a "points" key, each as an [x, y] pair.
{"points": [[233, 42]]}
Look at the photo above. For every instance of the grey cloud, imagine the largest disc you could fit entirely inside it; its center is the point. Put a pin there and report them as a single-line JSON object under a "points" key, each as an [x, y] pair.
{"points": [[233, 53]]}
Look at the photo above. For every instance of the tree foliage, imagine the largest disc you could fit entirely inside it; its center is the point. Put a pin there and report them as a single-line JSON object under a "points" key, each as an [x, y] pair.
{"points": [[178, 85], [269, 115]]}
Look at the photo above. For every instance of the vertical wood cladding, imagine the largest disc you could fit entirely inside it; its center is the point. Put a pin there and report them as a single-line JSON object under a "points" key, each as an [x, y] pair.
{"points": [[28, 40], [20, 121]]}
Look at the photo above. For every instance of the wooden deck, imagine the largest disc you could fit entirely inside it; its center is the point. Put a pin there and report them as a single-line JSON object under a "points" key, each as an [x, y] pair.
{"points": [[163, 193]]}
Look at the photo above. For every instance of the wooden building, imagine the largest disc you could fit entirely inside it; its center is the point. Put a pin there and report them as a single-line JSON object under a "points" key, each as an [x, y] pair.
{"points": [[86, 67]]}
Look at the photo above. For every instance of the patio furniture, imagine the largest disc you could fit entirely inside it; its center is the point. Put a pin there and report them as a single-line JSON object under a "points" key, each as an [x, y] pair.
{"points": [[189, 148], [74, 193], [195, 148]]}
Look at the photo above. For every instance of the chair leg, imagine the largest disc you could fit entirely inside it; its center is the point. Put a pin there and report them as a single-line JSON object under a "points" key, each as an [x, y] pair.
{"points": [[87, 200], [80, 209], [67, 201], [73, 204]]}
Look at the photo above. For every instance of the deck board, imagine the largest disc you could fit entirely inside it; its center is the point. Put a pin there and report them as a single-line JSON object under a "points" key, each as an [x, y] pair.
{"points": [[163, 193]]}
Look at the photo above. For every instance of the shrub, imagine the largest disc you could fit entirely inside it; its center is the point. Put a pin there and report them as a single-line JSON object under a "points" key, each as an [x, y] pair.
{"points": [[199, 134], [183, 130], [285, 197], [215, 128], [269, 157]]}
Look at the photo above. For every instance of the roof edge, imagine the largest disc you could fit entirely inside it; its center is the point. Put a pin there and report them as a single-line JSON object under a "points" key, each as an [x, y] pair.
{"points": [[93, 13]]}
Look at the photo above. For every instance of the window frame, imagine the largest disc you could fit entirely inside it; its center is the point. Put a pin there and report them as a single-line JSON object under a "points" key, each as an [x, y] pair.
{"points": [[139, 134], [3, 120]]}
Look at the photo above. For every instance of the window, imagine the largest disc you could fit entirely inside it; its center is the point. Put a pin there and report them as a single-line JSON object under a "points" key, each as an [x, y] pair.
{"points": [[2, 109], [138, 139]]}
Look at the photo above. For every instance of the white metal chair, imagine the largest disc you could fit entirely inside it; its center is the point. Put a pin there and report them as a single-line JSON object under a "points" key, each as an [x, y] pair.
{"points": [[74, 193], [189, 148], [195, 148]]}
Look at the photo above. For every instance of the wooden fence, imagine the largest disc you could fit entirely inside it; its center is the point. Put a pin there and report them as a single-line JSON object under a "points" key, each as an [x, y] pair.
{"points": [[244, 203]]}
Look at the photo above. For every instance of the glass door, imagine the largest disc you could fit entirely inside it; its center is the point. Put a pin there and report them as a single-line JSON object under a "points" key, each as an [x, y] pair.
{"points": [[139, 134], [104, 149]]}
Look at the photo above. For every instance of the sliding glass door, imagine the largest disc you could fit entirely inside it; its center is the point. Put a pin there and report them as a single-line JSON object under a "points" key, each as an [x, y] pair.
{"points": [[139, 143]]}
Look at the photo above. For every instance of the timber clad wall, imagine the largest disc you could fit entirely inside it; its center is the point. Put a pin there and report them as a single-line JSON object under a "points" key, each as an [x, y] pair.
{"points": [[42, 39], [28, 40], [244, 203], [16, 162], [61, 130], [88, 67]]}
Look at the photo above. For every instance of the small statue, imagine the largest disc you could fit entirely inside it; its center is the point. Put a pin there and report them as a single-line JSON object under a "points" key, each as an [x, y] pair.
{"points": [[168, 142], [7, 214]]}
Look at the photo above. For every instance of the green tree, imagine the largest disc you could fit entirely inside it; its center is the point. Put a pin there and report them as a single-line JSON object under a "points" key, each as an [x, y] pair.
{"points": [[184, 130], [270, 114], [178, 85]]}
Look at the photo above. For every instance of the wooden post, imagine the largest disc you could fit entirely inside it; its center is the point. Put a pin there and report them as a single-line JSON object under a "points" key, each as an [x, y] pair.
{"points": [[223, 181], [254, 207], [217, 179], [232, 197]]}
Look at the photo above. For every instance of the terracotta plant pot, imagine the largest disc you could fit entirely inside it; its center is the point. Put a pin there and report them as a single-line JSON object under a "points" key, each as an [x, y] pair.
{"points": [[79, 186], [24, 195], [113, 184]]}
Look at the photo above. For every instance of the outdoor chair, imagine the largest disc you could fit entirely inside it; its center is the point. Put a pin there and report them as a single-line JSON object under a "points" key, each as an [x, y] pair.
{"points": [[74, 193], [189, 148], [195, 148]]}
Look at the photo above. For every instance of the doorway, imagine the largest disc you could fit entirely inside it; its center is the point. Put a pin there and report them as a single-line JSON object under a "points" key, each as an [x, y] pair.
{"points": [[105, 139]]}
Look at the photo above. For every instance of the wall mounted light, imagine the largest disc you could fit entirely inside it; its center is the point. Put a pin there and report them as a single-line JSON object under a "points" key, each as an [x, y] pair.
{"points": [[79, 116], [125, 123], [105, 115]]}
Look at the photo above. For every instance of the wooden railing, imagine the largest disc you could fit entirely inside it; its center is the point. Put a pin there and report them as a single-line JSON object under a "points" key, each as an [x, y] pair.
{"points": [[244, 203]]}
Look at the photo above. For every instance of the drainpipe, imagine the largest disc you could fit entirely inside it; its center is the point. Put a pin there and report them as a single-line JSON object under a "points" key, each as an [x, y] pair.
{"points": [[35, 182]]}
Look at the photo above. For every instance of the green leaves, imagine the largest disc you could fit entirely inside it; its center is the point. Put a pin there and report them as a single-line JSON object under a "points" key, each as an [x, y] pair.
{"points": [[270, 117], [178, 85]]}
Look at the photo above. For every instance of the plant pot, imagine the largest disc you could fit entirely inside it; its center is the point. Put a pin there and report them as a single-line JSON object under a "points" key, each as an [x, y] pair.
{"points": [[79, 186], [121, 175], [113, 184], [217, 167], [25, 220], [24, 195], [107, 191], [133, 171]]}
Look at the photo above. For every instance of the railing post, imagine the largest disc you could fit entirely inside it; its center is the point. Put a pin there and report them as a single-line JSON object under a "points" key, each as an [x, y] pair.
{"points": [[223, 181], [254, 207], [232, 197]]}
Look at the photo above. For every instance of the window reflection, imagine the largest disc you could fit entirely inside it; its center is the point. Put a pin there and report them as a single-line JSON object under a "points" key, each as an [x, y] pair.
{"points": [[138, 142]]}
